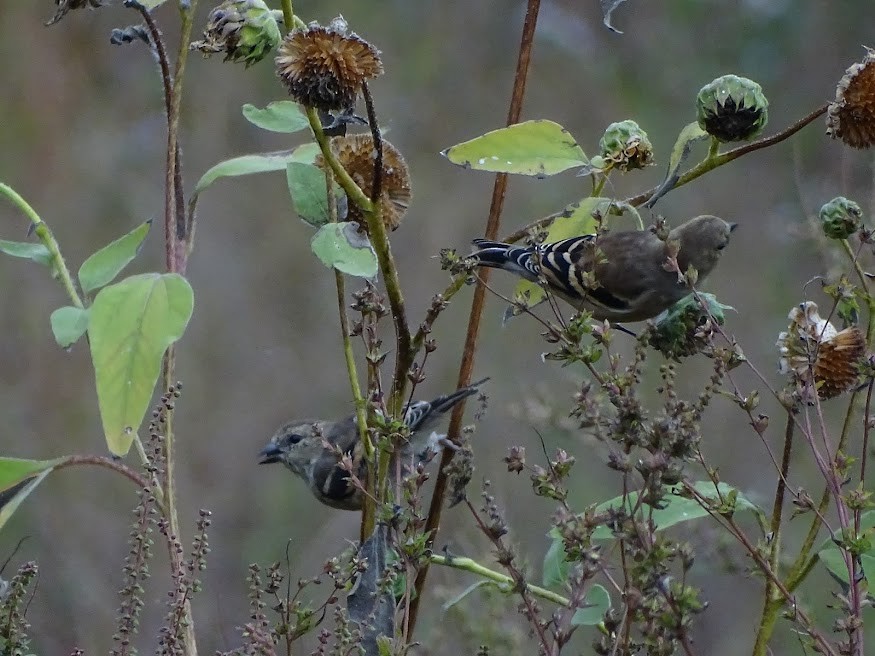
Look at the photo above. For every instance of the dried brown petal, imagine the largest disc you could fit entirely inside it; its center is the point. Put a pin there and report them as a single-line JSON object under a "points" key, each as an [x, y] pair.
{"points": [[324, 67], [835, 370], [356, 154], [851, 116]]}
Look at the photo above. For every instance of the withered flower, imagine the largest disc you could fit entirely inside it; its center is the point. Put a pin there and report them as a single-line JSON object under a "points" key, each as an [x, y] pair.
{"points": [[324, 67], [851, 116]]}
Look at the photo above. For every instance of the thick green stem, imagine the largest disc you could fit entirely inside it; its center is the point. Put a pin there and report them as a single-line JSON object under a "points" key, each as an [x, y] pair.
{"points": [[506, 583], [41, 230], [288, 14]]}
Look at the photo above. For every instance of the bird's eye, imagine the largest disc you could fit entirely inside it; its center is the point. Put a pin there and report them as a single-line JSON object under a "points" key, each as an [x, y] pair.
{"points": [[720, 247], [294, 438]]}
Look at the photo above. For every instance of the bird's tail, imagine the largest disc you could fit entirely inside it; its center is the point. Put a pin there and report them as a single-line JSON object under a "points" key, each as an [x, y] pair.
{"points": [[422, 414], [516, 259]]}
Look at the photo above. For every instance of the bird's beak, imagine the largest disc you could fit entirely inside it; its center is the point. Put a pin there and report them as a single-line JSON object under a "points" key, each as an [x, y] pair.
{"points": [[270, 453], [732, 227]]}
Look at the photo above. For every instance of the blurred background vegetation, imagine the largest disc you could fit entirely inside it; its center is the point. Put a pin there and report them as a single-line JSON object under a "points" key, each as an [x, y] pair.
{"points": [[82, 138]]}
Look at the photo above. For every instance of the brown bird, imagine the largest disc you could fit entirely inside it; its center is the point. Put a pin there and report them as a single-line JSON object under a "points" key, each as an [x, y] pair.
{"points": [[628, 266], [299, 446]]}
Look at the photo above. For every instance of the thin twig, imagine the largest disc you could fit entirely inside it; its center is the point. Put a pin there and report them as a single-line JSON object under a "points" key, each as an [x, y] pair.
{"points": [[106, 463]]}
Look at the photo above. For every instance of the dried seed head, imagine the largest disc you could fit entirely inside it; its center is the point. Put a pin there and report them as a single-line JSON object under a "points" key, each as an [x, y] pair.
{"points": [[686, 328], [851, 116], [356, 153], [245, 30], [625, 146], [813, 351], [732, 108], [65, 6], [324, 67]]}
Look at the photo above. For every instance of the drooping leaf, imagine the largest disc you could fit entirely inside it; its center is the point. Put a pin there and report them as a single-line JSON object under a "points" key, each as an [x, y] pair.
{"points": [[347, 249], [36, 252], [598, 601], [679, 153], [464, 593], [132, 323], [307, 189], [538, 148], [677, 509], [258, 163], [103, 266], [69, 324], [18, 478], [280, 116], [832, 558], [608, 7]]}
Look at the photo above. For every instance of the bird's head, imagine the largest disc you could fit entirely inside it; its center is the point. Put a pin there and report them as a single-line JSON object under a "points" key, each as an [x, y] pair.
{"points": [[702, 241], [296, 444]]}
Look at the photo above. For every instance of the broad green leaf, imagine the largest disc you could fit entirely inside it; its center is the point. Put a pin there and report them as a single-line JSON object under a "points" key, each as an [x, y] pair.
{"points": [[36, 252], [18, 478], [679, 153], [280, 116], [259, 163], [69, 324], [574, 220], [307, 189], [831, 555], [539, 148], [677, 509], [598, 601], [104, 265], [347, 249], [132, 323]]}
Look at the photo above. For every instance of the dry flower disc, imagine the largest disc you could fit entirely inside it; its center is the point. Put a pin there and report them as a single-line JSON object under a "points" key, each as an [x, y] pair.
{"points": [[851, 117]]}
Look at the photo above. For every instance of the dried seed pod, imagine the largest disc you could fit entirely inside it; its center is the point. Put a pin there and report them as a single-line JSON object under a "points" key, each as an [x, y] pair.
{"points": [[840, 218], [626, 146], [245, 30], [814, 352], [356, 153], [324, 67], [851, 116]]}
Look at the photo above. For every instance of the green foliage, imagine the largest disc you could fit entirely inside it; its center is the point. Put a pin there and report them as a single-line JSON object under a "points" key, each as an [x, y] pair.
{"points": [[258, 163], [36, 252], [307, 189], [280, 116], [598, 601], [132, 324], [69, 324], [347, 249], [104, 265], [537, 148], [18, 478]]}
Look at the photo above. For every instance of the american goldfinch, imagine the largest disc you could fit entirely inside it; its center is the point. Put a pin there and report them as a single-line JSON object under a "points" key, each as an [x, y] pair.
{"points": [[632, 281], [299, 445]]}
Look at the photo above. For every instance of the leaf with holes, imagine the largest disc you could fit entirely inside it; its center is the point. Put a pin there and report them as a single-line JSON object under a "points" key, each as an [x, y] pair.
{"points": [[538, 148], [132, 324]]}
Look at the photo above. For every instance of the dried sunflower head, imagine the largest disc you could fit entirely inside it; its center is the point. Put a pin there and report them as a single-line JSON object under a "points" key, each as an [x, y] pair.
{"points": [[245, 30], [324, 67], [732, 108], [357, 155], [818, 356], [625, 146], [851, 116]]}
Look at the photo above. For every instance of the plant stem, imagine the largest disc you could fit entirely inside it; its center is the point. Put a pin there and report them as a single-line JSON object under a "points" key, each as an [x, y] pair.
{"points": [[48, 240], [288, 14], [493, 223], [107, 463], [505, 582]]}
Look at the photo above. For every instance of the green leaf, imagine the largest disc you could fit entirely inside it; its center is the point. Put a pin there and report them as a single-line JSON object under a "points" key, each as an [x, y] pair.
{"points": [[69, 324], [539, 148], [258, 163], [36, 252], [598, 601], [280, 116], [576, 219], [677, 509], [679, 153], [132, 324], [104, 265], [18, 478], [307, 189], [347, 249], [832, 556]]}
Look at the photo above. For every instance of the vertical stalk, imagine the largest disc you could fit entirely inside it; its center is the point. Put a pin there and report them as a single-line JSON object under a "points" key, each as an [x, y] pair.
{"points": [[467, 365]]}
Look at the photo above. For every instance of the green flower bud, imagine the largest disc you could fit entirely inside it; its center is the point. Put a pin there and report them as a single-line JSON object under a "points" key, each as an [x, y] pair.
{"points": [[732, 108], [685, 328], [245, 30], [840, 218], [625, 146]]}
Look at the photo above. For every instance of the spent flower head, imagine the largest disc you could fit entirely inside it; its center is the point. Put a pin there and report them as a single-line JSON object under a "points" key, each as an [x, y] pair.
{"points": [[851, 116], [732, 108], [244, 30]]}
